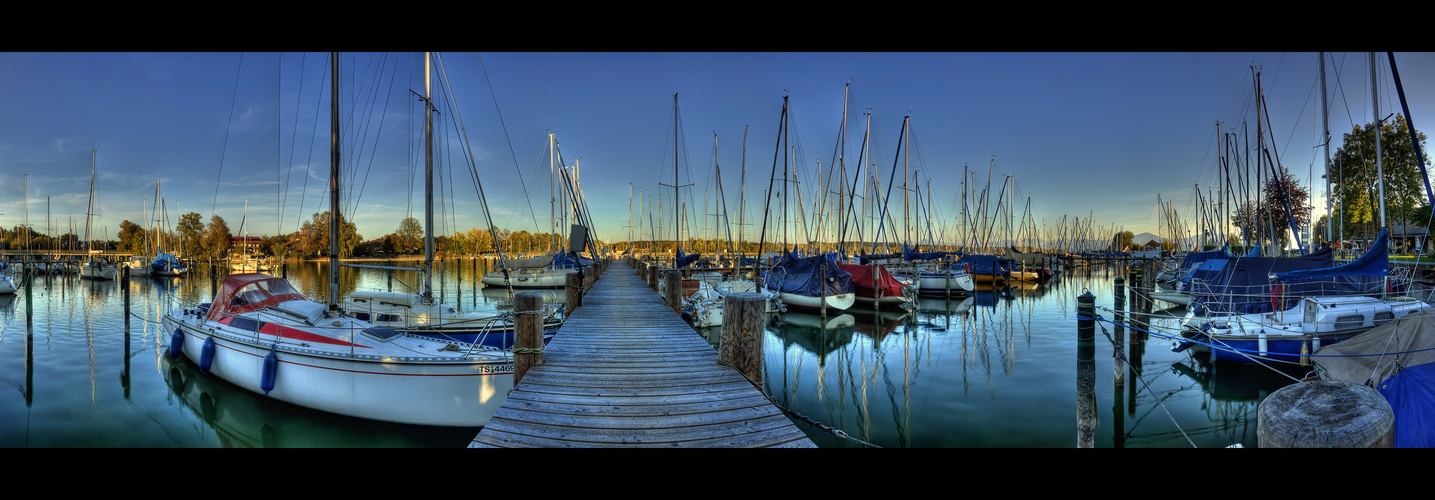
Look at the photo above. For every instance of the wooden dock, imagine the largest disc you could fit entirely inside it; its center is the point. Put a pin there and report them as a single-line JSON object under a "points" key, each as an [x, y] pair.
{"points": [[627, 371]]}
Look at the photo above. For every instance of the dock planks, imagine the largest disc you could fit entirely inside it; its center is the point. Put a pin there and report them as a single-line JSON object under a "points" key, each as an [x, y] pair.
{"points": [[627, 371]]}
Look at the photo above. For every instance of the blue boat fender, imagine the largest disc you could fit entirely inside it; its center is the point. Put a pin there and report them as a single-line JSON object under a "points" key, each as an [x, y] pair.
{"points": [[176, 343], [206, 355], [266, 377]]}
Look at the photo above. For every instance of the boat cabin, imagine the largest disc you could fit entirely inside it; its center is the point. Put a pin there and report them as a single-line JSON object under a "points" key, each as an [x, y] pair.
{"points": [[241, 293]]}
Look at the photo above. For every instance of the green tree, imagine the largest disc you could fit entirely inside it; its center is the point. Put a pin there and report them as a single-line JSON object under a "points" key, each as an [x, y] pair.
{"points": [[1122, 241], [411, 235], [218, 239], [1357, 189], [1266, 221], [315, 236], [128, 231], [190, 229]]}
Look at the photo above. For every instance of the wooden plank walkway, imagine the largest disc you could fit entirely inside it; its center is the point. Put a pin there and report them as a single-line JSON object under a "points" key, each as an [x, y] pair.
{"points": [[627, 371]]}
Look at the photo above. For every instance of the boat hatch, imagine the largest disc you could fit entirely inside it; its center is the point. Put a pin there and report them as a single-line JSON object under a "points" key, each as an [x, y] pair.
{"points": [[381, 333], [1383, 316], [1349, 322], [244, 323]]}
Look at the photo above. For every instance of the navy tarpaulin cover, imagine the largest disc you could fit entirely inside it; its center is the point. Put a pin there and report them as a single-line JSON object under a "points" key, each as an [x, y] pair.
{"points": [[1363, 276], [1194, 259], [985, 265], [910, 254], [1411, 394], [803, 276], [165, 262], [570, 260], [684, 259], [1243, 286]]}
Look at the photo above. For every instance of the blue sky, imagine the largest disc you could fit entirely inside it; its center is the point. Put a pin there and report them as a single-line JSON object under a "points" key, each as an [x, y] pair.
{"points": [[1081, 134]]}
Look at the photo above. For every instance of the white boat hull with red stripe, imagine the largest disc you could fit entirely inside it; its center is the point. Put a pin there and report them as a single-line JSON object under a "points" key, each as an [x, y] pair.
{"points": [[334, 363]]}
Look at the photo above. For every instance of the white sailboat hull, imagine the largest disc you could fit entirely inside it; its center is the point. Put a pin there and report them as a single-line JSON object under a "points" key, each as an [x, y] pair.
{"points": [[945, 283], [449, 391], [839, 302], [524, 278]]}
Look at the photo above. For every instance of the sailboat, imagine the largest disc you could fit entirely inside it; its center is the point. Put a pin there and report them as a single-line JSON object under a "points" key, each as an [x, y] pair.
{"points": [[165, 264], [98, 267], [814, 283], [420, 313], [550, 270], [262, 334], [247, 261], [1283, 311]]}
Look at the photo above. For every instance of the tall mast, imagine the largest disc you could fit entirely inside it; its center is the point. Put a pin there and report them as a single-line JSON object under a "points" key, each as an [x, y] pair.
{"points": [[842, 174], [1379, 168], [677, 207], [552, 200], [334, 182], [1325, 139], [428, 186], [90, 209]]}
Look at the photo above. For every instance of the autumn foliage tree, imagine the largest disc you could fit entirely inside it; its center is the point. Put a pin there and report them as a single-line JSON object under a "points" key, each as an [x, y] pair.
{"points": [[1265, 221]]}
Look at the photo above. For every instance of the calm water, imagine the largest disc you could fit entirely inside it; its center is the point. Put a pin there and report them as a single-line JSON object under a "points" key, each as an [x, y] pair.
{"points": [[998, 371]]}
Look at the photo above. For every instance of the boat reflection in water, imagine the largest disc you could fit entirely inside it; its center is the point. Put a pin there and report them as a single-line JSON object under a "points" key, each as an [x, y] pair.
{"points": [[1233, 392], [812, 332], [242, 419]]}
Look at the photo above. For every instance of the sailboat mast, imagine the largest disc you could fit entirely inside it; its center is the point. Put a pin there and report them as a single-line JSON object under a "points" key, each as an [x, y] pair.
{"points": [[1325, 138], [552, 200], [677, 207], [1379, 168], [428, 186], [334, 182], [90, 208]]}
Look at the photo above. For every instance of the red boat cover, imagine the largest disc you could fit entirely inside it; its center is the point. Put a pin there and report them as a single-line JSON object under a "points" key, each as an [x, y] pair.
{"points": [[862, 281], [249, 291]]}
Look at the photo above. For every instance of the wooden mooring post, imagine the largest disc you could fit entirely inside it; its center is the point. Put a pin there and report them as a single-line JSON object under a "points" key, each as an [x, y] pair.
{"points": [[742, 334], [673, 290], [527, 333], [1118, 368], [574, 295], [1086, 414]]}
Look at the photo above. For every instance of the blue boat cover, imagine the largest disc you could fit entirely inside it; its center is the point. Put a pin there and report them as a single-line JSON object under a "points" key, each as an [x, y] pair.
{"points": [[166, 261], [909, 254], [804, 276], [1194, 260], [570, 260], [1243, 285], [1411, 393], [683, 259], [985, 265], [1352, 277]]}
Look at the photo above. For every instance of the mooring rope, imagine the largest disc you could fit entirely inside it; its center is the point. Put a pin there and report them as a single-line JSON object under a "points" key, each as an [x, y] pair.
{"points": [[805, 419], [1122, 354]]}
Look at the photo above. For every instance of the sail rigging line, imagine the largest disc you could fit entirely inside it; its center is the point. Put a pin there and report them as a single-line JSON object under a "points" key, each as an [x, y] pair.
{"points": [[223, 149], [1410, 127], [469, 156], [353, 195], [313, 137], [293, 140], [505, 137], [881, 224], [767, 198]]}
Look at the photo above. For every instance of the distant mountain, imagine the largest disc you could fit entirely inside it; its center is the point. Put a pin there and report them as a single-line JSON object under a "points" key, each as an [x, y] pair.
{"points": [[1144, 238]]}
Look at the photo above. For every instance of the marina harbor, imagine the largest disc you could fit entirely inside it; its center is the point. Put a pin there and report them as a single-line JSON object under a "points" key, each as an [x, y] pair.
{"points": [[858, 250]]}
